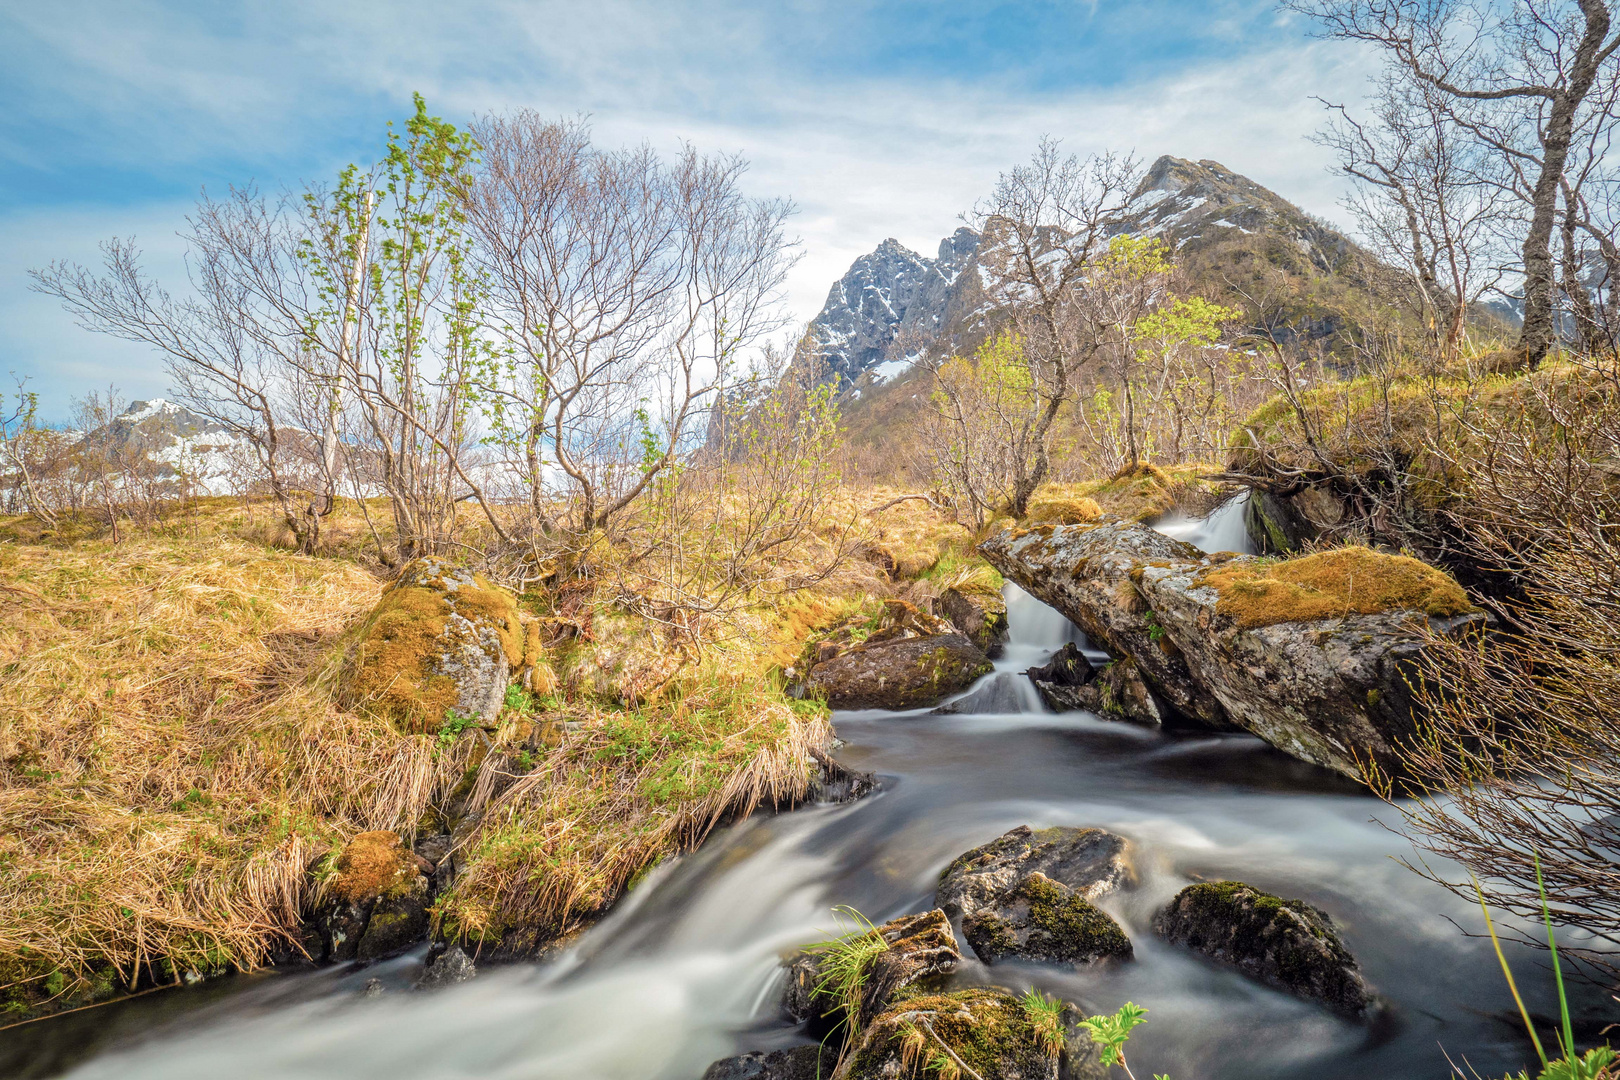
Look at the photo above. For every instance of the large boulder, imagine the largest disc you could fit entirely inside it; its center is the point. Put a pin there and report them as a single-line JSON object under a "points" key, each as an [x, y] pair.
{"points": [[441, 640], [990, 1032], [1287, 944], [979, 613], [373, 902], [911, 673], [812, 1062], [1042, 920], [1089, 862], [914, 947], [1313, 655]]}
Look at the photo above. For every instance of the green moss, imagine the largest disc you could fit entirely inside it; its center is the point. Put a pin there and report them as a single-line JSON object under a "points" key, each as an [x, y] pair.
{"points": [[1069, 927], [989, 1030]]}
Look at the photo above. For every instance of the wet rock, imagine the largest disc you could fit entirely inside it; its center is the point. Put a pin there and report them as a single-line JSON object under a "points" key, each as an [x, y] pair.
{"points": [[1041, 920], [446, 969], [980, 614], [1318, 665], [441, 639], [1090, 862], [918, 946], [1060, 679], [796, 1063], [988, 1031], [373, 988], [1287, 944], [835, 782], [910, 673], [375, 879], [1120, 691], [1085, 572], [399, 919]]}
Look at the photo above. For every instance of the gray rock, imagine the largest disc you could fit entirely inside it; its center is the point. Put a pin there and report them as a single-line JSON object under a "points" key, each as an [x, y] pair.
{"points": [[981, 616], [1332, 691], [1287, 944], [911, 673], [813, 1062], [373, 988], [399, 919], [1039, 919], [1091, 862], [448, 968]]}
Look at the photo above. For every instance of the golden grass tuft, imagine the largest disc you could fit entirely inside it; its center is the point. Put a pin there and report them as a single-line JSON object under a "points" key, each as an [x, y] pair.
{"points": [[369, 864], [623, 790], [1331, 584], [171, 758]]}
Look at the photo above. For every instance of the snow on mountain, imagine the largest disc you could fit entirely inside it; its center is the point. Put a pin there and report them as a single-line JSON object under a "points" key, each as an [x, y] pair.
{"points": [[895, 306], [185, 446]]}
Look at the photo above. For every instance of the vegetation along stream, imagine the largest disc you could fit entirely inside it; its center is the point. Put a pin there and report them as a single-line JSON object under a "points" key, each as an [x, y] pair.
{"points": [[687, 969]]}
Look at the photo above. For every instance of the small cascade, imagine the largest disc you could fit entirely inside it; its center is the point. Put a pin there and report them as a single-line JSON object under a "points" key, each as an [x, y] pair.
{"points": [[1222, 530], [1034, 632]]}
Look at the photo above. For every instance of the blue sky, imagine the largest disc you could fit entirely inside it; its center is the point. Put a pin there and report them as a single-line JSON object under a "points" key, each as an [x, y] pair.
{"points": [[879, 119]]}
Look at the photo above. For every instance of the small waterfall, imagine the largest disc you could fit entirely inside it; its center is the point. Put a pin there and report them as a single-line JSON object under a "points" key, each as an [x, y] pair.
{"points": [[1222, 530], [1034, 632]]}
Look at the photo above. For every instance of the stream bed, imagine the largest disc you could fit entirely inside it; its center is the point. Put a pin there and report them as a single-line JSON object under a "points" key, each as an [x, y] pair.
{"points": [[685, 970]]}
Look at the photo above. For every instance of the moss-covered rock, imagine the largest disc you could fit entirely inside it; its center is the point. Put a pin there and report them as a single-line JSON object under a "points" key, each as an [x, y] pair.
{"points": [[373, 900], [1314, 655], [915, 948], [442, 639], [1287, 944], [1090, 862], [987, 1030], [908, 673], [980, 614], [1042, 920]]}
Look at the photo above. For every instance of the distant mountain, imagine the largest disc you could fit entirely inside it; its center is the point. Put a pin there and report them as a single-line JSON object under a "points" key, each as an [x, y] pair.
{"points": [[895, 306], [178, 441]]}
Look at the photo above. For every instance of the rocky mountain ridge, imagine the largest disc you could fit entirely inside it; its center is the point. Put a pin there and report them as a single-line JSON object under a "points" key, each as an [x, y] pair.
{"points": [[895, 306]]}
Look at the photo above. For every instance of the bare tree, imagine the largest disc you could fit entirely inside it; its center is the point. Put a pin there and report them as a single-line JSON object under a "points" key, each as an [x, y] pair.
{"points": [[1519, 76], [1044, 226], [1429, 200], [623, 288]]}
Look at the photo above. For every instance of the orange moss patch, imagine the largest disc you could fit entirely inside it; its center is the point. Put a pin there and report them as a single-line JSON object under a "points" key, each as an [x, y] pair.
{"points": [[1331, 584], [372, 863], [396, 667], [1056, 510]]}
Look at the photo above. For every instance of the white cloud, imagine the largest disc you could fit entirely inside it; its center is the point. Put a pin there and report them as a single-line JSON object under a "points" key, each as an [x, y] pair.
{"points": [[864, 157]]}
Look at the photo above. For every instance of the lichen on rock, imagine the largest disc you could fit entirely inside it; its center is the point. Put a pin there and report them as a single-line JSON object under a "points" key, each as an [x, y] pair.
{"points": [[1091, 862], [441, 639]]}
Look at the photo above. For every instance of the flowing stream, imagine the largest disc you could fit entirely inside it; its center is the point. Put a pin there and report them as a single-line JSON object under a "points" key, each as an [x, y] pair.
{"points": [[685, 970]]}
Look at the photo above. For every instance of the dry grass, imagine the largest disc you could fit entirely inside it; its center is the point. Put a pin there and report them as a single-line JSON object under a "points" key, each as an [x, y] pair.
{"points": [[1332, 584], [625, 789], [171, 760]]}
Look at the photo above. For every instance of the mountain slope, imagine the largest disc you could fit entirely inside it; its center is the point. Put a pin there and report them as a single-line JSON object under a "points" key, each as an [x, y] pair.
{"points": [[894, 306]]}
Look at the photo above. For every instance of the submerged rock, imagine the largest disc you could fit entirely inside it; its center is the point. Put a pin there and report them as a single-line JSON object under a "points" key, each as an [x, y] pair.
{"points": [[1287, 944], [835, 782], [811, 1062], [1312, 655], [917, 946], [988, 1031], [980, 614], [448, 968], [1060, 680], [1042, 920], [912, 673], [441, 639], [1089, 862]]}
